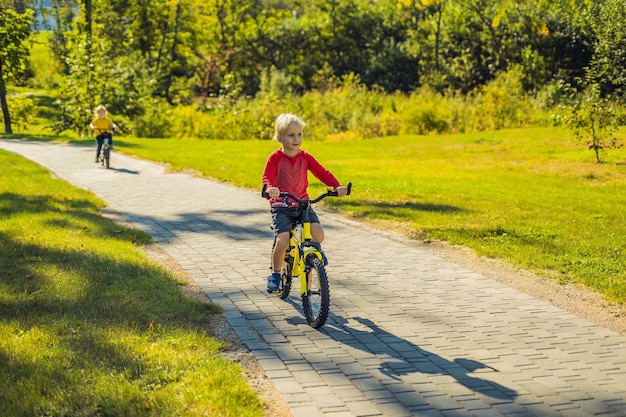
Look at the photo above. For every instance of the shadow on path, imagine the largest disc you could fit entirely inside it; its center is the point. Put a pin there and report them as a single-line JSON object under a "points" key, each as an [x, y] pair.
{"points": [[402, 357], [125, 171], [231, 224]]}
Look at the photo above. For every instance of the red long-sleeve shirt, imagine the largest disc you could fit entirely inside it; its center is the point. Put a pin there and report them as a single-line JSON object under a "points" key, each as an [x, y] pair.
{"points": [[290, 174]]}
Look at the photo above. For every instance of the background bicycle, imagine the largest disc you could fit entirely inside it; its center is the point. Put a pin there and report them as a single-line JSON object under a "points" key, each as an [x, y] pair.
{"points": [[104, 155]]}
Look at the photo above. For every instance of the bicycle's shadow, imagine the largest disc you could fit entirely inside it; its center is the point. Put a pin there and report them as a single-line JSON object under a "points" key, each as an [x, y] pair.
{"points": [[405, 357], [124, 170], [296, 302]]}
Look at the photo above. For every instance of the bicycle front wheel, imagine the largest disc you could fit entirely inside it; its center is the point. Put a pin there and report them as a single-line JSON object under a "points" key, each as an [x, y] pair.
{"points": [[316, 300], [107, 156]]}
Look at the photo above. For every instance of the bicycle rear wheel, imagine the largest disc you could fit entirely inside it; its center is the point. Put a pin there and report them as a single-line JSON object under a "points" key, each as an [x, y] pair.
{"points": [[285, 278], [316, 300]]}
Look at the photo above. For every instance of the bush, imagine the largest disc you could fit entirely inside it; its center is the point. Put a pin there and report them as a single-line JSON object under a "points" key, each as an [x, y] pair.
{"points": [[426, 113], [156, 121], [21, 109], [502, 103], [345, 109]]}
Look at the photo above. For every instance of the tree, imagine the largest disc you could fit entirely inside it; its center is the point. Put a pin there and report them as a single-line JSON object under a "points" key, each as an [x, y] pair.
{"points": [[609, 60], [14, 52], [183, 50], [568, 48], [62, 13], [594, 121]]}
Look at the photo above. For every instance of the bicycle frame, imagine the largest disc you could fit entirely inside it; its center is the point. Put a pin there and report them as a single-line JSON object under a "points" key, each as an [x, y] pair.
{"points": [[106, 152], [300, 247]]}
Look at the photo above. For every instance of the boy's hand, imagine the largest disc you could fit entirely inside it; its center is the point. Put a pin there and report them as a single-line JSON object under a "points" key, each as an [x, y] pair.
{"points": [[274, 192], [341, 191]]}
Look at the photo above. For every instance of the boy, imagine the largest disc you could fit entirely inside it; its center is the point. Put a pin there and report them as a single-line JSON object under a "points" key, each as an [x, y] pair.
{"points": [[102, 126], [287, 170]]}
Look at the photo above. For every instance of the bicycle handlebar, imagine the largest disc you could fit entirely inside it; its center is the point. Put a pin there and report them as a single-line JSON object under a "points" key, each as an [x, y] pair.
{"points": [[112, 129], [286, 196]]}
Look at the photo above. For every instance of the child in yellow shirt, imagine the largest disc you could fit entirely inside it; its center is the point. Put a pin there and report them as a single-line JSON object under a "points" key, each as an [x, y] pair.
{"points": [[102, 127]]}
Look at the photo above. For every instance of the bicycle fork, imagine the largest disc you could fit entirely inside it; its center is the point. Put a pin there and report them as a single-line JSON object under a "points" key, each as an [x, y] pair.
{"points": [[301, 247], [299, 253], [299, 268]]}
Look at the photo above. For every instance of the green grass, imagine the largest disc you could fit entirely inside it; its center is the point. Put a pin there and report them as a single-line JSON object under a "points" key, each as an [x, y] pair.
{"points": [[89, 325], [532, 197]]}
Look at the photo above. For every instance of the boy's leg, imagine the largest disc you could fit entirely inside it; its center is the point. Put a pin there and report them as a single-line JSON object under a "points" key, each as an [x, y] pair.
{"points": [[280, 248], [278, 256], [280, 226], [317, 232]]}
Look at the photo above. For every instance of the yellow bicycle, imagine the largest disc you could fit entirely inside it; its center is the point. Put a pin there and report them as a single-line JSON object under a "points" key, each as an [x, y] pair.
{"points": [[304, 259]]}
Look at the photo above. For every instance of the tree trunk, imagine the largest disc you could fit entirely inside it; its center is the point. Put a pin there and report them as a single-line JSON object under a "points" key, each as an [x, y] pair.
{"points": [[173, 54], [3, 103], [88, 30], [440, 7], [88, 20]]}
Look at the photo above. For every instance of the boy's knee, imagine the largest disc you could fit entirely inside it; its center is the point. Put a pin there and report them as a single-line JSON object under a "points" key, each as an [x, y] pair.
{"points": [[282, 240], [317, 232]]}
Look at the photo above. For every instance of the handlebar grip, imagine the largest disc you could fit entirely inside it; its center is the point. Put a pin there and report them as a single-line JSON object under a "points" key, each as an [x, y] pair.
{"points": [[334, 192], [264, 193]]}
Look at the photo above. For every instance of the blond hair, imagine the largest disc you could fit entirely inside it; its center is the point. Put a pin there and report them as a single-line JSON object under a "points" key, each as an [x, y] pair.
{"points": [[100, 107], [282, 123]]}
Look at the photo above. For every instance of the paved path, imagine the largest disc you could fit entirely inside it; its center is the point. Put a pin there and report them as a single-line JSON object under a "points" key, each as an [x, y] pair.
{"points": [[410, 334]]}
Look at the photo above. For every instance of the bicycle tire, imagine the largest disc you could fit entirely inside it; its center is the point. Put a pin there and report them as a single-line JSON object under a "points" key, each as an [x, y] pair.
{"points": [[316, 300], [285, 278], [107, 156]]}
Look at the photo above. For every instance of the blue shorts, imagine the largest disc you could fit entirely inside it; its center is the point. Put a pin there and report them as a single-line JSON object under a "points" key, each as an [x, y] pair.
{"points": [[284, 217]]}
